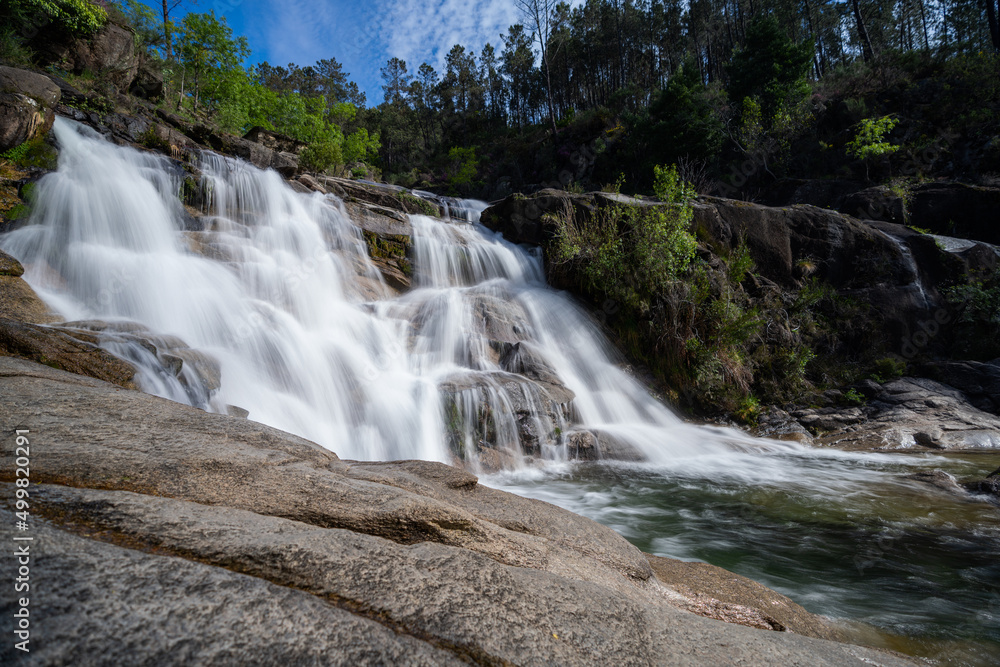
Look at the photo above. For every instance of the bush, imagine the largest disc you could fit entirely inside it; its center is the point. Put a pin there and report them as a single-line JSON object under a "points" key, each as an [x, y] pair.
{"points": [[320, 156], [631, 253], [78, 17]]}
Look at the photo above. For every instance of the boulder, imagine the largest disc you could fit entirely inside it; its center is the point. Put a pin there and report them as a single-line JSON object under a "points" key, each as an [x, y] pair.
{"points": [[909, 413], [27, 100], [148, 81], [286, 164], [957, 209], [508, 414], [169, 535], [109, 53], [979, 381], [10, 266], [989, 486], [58, 349], [380, 194], [30, 84], [278, 143]]}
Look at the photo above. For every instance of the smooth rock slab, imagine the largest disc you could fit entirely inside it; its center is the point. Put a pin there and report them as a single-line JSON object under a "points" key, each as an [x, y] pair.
{"points": [[235, 543]]}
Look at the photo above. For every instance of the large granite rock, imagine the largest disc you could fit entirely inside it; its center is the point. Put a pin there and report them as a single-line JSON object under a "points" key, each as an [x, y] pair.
{"points": [[168, 535], [27, 101], [957, 209], [110, 52], [59, 349], [904, 414], [17, 300]]}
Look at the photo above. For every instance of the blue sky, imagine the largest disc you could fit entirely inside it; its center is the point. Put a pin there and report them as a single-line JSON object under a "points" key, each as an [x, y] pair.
{"points": [[361, 34]]}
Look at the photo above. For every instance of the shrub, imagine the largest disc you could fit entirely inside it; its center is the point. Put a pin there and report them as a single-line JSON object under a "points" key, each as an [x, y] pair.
{"points": [[78, 17], [320, 156]]}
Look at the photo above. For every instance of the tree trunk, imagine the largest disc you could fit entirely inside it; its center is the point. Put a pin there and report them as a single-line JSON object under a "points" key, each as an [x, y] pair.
{"points": [[866, 43], [167, 49], [991, 17]]}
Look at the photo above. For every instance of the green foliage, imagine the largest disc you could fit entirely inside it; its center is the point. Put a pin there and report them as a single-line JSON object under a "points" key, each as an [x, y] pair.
{"points": [[211, 58], [17, 153], [748, 411], [153, 141], [869, 142], [360, 147], [770, 67], [33, 153], [854, 397], [146, 23], [682, 121], [78, 17], [321, 155], [631, 253], [465, 167], [888, 369], [13, 50]]}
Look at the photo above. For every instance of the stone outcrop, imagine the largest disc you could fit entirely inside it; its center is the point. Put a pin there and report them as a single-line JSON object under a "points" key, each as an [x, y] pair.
{"points": [[166, 534], [989, 486], [148, 81], [946, 208], [110, 51], [58, 349], [17, 300], [275, 141], [27, 101], [905, 414]]}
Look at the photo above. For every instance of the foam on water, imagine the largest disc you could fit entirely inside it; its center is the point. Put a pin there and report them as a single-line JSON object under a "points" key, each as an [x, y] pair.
{"points": [[277, 286]]}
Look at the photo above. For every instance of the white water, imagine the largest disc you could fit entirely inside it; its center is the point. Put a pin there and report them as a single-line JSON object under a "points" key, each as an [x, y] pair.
{"points": [[308, 338]]}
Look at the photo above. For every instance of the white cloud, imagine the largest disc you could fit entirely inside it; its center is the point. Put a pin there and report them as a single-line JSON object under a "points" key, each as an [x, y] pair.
{"points": [[419, 31], [364, 35]]}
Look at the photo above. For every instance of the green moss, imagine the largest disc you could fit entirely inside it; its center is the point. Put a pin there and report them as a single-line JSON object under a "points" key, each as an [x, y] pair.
{"points": [[415, 204], [151, 140], [33, 153]]}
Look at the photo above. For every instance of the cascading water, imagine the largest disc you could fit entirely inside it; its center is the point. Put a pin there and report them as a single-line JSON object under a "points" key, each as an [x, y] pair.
{"points": [[277, 287], [268, 301]]}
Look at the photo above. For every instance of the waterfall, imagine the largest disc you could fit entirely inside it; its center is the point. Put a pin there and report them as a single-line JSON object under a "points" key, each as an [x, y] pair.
{"points": [[270, 295]]}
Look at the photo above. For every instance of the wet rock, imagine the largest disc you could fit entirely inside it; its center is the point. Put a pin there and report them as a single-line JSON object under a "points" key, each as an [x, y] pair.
{"points": [[166, 531], [58, 349], [939, 479], [989, 486], [199, 373], [27, 100], [717, 593], [904, 414], [388, 237], [777, 424], [10, 266], [524, 359], [311, 183], [500, 319], [237, 411], [502, 411], [380, 194]]}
